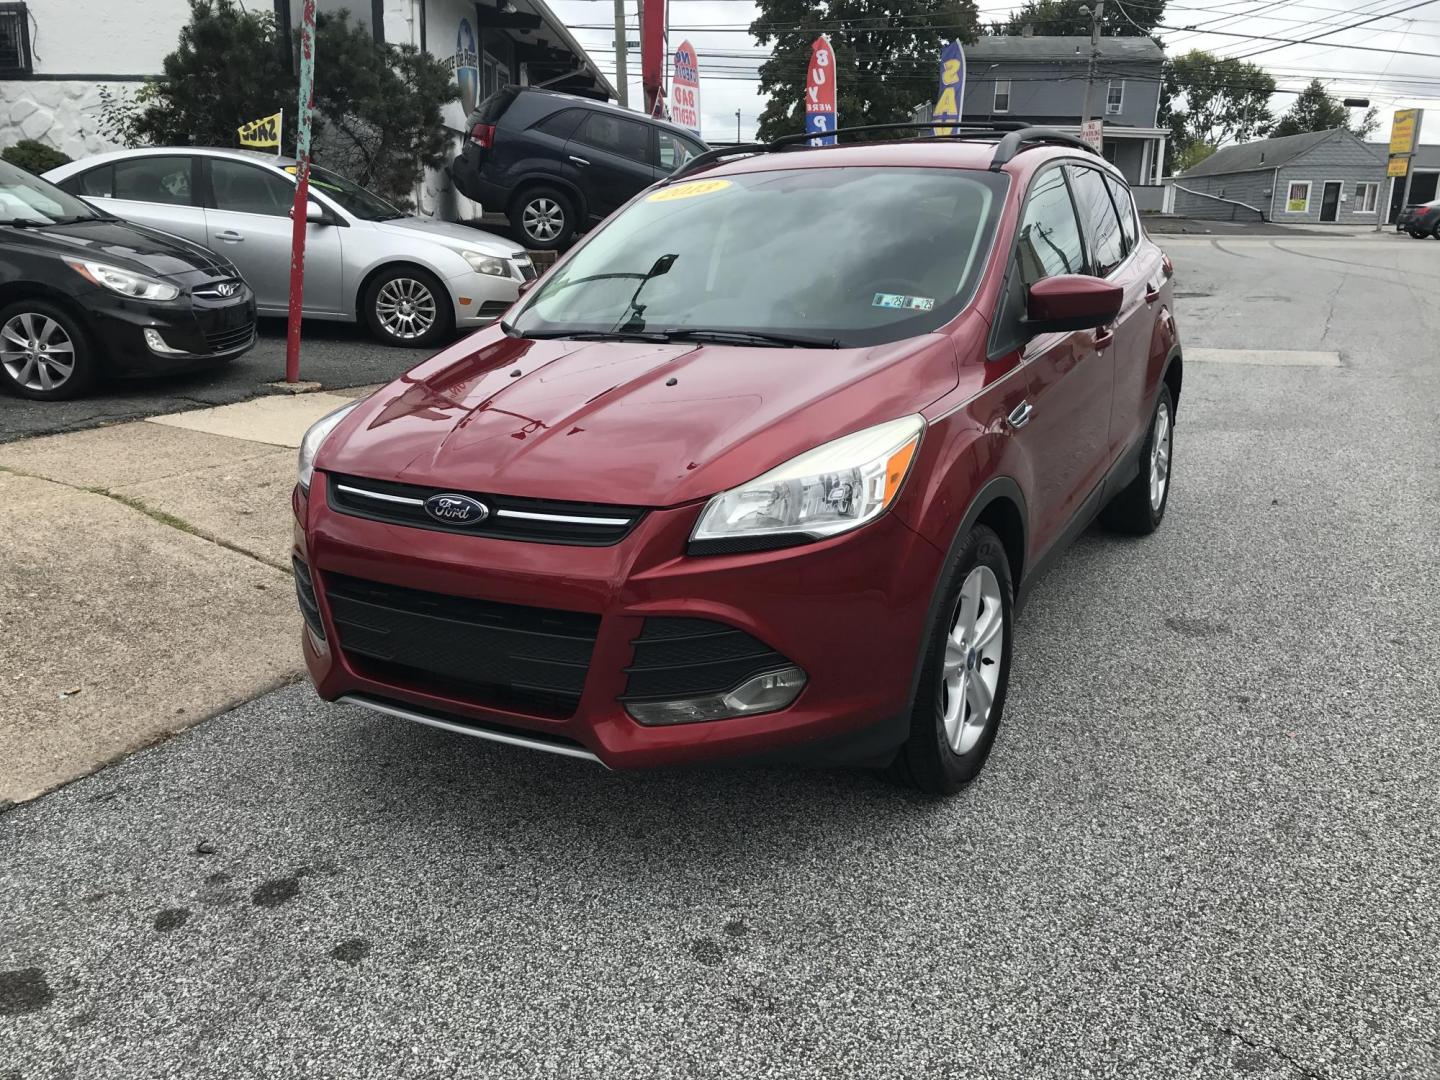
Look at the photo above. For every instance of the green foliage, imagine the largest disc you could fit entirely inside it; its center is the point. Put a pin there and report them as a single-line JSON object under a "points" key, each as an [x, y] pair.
{"points": [[33, 156], [887, 56], [1316, 110], [1208, 101], [1064, 18], [1192, 155]]}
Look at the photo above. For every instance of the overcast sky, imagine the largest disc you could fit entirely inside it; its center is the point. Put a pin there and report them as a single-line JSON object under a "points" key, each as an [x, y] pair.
{"points": [[1402, 71]]}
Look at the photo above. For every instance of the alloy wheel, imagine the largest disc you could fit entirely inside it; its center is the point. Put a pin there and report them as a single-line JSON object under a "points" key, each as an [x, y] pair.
{"points": [[1160, 457], [37, 352], [405, 308], [970, 672], [544, 219]]}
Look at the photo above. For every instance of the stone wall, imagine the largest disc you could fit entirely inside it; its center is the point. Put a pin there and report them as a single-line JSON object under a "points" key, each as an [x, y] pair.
{"points": [[62, 114]]}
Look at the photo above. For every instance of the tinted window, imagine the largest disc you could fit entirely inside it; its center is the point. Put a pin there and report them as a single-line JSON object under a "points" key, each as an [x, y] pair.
{"points": [[494, 106], [362, 202], [624, 137], [1102, 227], [154, 180], [1125, 205], [97, 183], [561, 124], [247, 189], [675, 151], [1049, 241]]}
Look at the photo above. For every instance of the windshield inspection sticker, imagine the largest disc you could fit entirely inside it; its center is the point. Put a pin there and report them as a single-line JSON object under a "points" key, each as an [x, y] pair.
{"points": [[688, 191], [896, 300]]}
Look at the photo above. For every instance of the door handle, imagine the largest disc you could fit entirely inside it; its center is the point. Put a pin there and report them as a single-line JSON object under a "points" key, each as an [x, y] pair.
{"points": [[230, 235], [578, 160], [1020, 415], [1103, 337], [1152, 293]]}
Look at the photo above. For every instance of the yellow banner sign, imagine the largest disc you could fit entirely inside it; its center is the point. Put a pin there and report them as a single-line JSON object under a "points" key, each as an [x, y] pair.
{"points": [[262, 134], [1399, 165], [1402, 133]]}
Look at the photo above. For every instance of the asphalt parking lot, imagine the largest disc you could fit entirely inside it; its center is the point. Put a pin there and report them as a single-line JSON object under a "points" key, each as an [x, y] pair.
{"points": [[1207, 844]]}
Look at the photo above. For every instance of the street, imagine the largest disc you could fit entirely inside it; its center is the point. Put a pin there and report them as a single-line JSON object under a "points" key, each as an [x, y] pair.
{"points": [[1207, 843]]}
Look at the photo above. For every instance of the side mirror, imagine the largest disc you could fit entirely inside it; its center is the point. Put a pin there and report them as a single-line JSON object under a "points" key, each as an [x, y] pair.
{"points": [[314, 213], [1071, 302]]}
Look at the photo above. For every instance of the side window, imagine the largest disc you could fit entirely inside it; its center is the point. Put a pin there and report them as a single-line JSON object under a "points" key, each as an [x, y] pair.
{"points": [[561, 124], [675, 151], [1125, 206], [1049, 240], [154, 180], [246, 189], [624, 137], [1102, 227], [96, 183]]}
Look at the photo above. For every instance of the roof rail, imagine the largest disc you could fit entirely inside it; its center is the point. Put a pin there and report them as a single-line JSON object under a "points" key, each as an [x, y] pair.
{"points": [[1014, 136]]}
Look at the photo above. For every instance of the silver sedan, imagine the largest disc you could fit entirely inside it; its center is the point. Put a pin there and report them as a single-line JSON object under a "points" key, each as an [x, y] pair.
{"points": [[411, 279]]}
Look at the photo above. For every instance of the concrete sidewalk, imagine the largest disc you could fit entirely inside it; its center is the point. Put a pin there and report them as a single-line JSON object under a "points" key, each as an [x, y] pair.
{"points": [[145, 582]]}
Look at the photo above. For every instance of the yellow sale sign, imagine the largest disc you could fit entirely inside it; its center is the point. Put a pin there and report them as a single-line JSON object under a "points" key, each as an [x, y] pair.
{"points": [[1399, 165], [1402, 133]]}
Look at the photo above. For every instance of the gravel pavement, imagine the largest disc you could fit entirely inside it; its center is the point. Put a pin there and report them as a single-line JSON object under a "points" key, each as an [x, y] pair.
{"points": [[1207, 844]]}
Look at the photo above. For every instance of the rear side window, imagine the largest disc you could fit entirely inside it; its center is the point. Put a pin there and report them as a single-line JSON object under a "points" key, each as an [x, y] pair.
{"points": [[97, 183], [561, 124], [1125, 206], [1102, 226], [154, 180], [494, 106], [626, 138], [1049, 241], [675, 151]]}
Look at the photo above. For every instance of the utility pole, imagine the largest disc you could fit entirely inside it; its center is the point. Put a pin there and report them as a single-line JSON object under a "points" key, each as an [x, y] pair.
{"points": [[737, 126], [299, 212], [1095, 17], [622, 80]]}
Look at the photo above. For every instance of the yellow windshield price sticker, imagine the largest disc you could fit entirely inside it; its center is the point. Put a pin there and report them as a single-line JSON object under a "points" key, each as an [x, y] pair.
{"points": [[689, 191]]}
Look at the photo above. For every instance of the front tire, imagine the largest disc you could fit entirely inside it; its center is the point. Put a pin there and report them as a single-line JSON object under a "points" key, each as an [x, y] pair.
{"points": [[407, 306], [1140, 506], [966, 672], [544, 218], [45, 353]]}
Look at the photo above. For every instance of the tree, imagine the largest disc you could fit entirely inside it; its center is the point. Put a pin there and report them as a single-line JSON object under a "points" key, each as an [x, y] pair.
{"points": [[34, 156], [1064, 18], [1316, 110], [1192, 155], [1207, 100], [887, 56]]}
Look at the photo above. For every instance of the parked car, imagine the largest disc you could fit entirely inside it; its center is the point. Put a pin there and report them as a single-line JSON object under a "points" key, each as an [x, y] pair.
{"points": [[83, 294], [411, 280], [1420, 220], [761, 469], [553, 162]]}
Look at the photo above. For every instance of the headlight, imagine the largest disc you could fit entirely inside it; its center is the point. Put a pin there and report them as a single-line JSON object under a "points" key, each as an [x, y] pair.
{"points": [[124, 282], [825, 491], [487, 264], [315, 438]]}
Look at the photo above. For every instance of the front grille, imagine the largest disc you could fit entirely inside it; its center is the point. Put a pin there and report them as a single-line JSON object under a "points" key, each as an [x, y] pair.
{"points": [[499, 655], [305, 593], [543, 521], [225, 340], [527, 270], [682, 658], [493, 309], [219, 290]]}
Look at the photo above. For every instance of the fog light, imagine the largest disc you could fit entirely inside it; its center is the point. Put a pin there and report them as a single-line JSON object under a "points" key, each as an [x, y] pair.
{"points": [[764, 693], [157, 343]]}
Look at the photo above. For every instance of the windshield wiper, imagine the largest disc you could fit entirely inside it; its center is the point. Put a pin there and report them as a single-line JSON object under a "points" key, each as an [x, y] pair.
{"points": [[41, 223], [589, 335], [749, 337]]}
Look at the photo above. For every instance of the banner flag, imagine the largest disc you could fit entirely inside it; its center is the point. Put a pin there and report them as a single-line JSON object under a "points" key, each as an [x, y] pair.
{"points": [[821, 111], [952, 88], [262, 134]]}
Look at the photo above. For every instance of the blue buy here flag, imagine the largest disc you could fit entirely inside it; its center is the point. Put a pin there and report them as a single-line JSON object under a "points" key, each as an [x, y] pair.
{"points": [[952, 88]]}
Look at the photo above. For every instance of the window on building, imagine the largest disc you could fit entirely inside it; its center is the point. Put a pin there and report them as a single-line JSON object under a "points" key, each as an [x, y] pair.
{"points": [[1049, 241], [1297, 197], [248, 189], [14, 40], [1366, 195], [1002, 95], [624, 137], [160, 179], [1115, 97], [1097, 213]]}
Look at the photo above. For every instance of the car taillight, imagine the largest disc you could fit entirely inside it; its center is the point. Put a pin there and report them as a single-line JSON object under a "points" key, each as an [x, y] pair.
{"points": [[483, 135]]}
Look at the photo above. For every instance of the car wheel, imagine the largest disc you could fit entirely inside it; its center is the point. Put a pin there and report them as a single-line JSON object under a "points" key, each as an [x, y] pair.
{"points": [[966, 671], [1140, 507], [407, 306], [45, 353], [543, 218], [1416, 234]]}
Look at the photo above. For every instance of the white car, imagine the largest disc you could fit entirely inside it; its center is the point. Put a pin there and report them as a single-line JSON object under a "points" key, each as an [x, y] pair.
{"points": [[411, 279]]}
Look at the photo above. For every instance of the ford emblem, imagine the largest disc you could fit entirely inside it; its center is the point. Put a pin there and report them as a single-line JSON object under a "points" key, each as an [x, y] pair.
{"points": [[452, 509]]}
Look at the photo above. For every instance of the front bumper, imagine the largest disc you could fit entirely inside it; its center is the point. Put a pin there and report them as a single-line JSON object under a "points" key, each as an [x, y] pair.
{"points": [[849, 611], [194, 332]]}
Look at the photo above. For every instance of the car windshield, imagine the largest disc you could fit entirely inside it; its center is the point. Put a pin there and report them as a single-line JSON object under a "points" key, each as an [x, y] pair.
{"points": [[355, 199], [25, 199], [835, 256]]}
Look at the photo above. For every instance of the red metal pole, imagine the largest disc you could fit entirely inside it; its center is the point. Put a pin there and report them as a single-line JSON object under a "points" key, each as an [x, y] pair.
{"points": [[652, 55], [302, 190]]}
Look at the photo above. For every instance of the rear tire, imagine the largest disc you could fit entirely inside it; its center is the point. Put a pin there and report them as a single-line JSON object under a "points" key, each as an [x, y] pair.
{"points": [[1416, 234], [966, 670], [1140, 507], [544, 218], [407, 306], [45, 352]]}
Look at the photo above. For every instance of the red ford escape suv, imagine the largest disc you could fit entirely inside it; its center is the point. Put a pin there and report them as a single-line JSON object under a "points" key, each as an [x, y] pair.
{"points": [[759, 471]]}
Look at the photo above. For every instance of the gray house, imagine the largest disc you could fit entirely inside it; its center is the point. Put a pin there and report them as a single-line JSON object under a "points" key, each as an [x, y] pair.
{"points": [[1424, 177], [1042, 80], [1312, 177]]}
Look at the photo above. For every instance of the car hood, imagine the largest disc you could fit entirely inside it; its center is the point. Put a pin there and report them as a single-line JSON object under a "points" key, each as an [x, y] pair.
{"points": [[452, 235], [623, 422], [128, 245]]}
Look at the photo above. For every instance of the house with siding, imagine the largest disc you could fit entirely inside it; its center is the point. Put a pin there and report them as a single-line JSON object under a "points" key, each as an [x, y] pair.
{"points": [[1316, 176], [1424, 182]]}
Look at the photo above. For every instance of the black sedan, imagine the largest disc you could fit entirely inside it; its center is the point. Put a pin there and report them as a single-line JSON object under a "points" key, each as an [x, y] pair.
{"points": [[1420, 220], [83, 294]]}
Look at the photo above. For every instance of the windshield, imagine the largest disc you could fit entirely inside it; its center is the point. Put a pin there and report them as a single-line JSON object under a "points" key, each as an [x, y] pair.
{"points": [[849, 256], [27, 200], [355, 199]]}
